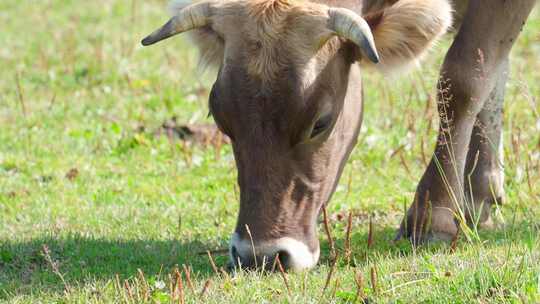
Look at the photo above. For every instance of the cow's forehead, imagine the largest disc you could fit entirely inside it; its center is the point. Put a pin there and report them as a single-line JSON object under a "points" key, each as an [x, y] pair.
{"points": [[273, 36], [280, 93]]}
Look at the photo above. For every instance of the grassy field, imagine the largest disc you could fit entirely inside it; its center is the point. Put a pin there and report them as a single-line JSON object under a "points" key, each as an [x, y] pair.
{"points": [[95, 207]]}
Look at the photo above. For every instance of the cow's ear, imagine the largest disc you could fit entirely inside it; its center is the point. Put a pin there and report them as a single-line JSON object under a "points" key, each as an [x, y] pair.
{"points": [[406, 30], [211, 47], [209, 43]]}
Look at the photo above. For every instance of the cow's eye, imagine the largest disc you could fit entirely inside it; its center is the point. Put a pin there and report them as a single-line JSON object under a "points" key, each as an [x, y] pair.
{"points": [[321, 125]]}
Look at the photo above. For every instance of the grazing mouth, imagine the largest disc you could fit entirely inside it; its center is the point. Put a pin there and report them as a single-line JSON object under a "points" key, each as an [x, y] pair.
{"points": [[290, 253]]}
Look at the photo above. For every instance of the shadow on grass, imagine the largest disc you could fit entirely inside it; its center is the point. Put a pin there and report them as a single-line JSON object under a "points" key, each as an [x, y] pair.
{"points": [[24, 267], [25, 270]]}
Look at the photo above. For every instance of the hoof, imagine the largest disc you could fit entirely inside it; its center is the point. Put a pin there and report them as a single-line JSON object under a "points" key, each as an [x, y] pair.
{"points": [[482, 215], [487, 225], [442, 227]]}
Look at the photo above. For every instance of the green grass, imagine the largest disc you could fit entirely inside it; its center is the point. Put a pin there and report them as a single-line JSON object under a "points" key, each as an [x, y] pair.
{"points": [[75, 87]]}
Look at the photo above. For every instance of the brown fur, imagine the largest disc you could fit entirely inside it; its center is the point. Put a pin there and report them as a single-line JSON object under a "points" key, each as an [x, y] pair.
{"points": [[286, 28]]}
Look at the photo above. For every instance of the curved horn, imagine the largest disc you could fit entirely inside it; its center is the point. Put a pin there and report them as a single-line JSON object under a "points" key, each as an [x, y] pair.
{"points": [[347, 24], [191, 17]]}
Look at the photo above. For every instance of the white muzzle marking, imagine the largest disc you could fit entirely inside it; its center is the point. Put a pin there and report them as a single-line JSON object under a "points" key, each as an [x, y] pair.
{"points": [[299, 255]]}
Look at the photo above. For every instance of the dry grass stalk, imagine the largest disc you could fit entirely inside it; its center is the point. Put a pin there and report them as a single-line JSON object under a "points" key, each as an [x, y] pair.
{"points": [[137, 292], [274, 264], [397, 151], [20, 94], [214, 267], [179, 287], [374, 280], [328, 233], [205, 288], [404, 163], [304, 283], [283, 274], [329, 276], [117, 282], [359, 279], [129, 291], [120, 288], [146, 288], [224, 272], [348, 250], [423, 152], [528, 174], [252, 246], [171, 285], [54, 267], [52, 100], [187, 272], [336, 286]]}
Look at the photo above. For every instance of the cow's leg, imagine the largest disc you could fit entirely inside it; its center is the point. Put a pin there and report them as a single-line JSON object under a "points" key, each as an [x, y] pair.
{"points": [[484, 175], [469, 74]]}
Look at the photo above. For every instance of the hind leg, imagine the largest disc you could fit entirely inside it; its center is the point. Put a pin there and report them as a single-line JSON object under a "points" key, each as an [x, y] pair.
{"points": [[484, 174]]}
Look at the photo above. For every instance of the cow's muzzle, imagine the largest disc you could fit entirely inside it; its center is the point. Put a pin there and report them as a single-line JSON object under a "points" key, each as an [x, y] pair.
{"points": [[293, 254]]}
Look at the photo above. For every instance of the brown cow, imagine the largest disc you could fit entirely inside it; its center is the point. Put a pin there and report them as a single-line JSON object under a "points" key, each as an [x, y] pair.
{"points": [[289, 95]]}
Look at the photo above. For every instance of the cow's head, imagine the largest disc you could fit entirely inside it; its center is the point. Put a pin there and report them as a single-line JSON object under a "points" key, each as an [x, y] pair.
{"points": [[288, 94]]}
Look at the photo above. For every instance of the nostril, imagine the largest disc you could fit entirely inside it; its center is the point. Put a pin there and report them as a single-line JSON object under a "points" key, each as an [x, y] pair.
{"points": [[284, 258], [234, 255]]}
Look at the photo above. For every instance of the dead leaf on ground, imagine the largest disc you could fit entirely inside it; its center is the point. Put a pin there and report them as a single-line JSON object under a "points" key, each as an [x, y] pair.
{"points": [[199, 133], [72, 174]]}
